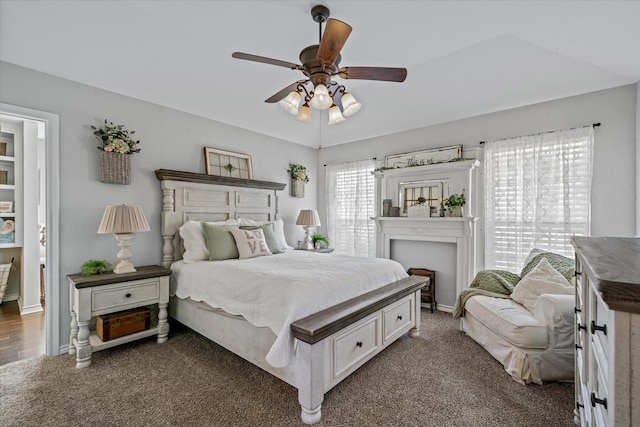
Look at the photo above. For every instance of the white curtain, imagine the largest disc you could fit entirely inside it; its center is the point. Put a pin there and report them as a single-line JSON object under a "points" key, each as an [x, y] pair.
{"points": [[538, 193], [350, 206]]}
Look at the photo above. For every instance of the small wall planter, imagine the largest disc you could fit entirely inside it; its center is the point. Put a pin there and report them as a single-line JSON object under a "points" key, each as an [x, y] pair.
{"points": [[297, 188], [115, 168]]}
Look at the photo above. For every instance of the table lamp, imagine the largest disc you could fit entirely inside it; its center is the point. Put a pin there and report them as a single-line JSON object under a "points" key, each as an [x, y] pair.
{"points": [[123, 222], [309, 219]]}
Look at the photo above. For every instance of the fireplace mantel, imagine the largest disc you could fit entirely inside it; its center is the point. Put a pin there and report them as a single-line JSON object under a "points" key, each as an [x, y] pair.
{"points": [[459, 231]]}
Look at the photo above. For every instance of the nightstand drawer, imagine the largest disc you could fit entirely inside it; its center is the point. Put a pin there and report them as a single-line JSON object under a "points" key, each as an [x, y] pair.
{"points": [[120, 296]]}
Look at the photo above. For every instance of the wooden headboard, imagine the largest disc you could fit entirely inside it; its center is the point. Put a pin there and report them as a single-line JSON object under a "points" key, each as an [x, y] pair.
{"points": [[199, 197]]}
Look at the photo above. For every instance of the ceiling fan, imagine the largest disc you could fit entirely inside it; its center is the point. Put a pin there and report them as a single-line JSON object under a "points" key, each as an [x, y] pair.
{"points": [[320, 63]]}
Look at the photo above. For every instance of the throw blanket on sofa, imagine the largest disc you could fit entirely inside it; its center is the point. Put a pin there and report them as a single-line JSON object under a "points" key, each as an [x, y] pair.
{"points": [[492, 283]]}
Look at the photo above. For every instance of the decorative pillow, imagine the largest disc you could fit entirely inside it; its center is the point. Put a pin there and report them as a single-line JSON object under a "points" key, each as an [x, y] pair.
{"points": [[278, 228], [250, 243], [269, 236], [564, 265], [194, 242], [220, 242], [542, 279]]}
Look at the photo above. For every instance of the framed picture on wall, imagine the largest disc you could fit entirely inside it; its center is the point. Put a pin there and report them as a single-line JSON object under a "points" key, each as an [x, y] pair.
{"points": [[227, 163]]}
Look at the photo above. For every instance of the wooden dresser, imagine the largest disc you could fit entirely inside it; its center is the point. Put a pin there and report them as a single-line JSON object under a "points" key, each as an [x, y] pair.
{"points": [[607, 331]]}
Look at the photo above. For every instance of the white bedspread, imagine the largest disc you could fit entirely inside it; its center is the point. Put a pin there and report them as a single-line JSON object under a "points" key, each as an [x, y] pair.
{"points": [[274, 291]]}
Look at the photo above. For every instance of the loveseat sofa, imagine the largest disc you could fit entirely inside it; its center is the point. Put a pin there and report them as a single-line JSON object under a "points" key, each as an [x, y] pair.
{"points": [[525, 321]]}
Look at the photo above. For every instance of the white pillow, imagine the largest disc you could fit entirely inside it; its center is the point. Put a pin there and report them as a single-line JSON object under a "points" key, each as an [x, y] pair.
{"points": [[278, 228], [250, 243], [194, 242], [542, 279]]}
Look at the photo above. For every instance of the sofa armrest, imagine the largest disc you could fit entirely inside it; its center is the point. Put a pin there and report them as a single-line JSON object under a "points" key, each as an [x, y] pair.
{"points": [[556, 312]]}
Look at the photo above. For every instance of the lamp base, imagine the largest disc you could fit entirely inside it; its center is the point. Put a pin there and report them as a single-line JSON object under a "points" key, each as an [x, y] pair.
{"points": [[307, 238], [124, 241]]}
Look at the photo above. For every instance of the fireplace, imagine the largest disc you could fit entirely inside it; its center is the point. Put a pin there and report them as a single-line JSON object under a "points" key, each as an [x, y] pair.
{"points": [[420, 241]]}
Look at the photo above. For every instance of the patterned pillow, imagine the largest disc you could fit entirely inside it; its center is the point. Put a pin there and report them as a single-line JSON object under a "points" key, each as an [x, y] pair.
{"points": [[565, 266], [269, 236], [250, 243]]}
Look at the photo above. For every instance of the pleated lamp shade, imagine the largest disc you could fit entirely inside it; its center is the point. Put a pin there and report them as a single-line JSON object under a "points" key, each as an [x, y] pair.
{"points": [[123, 219], [308, 217]]}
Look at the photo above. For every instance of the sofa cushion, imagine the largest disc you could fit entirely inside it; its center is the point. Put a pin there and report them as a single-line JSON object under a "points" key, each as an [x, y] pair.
{"points": [[542, 279], [510, 320]]}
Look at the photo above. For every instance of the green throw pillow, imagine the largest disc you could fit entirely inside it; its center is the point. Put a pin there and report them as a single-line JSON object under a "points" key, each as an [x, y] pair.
{"points": [[565, 266], [220, 242], [269, 236]]}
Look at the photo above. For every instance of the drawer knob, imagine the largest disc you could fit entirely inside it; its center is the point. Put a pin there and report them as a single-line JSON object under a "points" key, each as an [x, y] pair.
{"points": [[578, 346], [580, 326], [579, 405], [576, 310], [595, 328], [128, 295], [595, 400], [359, 344], [399, 317], [578, 273]]}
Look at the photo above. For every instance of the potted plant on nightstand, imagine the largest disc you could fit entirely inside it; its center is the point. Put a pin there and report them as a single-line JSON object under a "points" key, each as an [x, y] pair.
{"points": [[319, 239], [454, 203]]}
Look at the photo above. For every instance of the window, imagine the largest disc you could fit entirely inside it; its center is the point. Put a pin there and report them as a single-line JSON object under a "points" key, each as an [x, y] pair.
{"points": [[538, 191], [350, 206]]}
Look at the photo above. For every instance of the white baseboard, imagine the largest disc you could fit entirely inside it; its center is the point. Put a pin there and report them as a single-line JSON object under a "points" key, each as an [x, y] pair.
{"points": [[445, 308], [29, 309]]}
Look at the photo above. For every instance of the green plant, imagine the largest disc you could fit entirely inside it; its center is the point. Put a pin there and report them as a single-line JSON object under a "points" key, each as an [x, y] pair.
{"points": [[115, 138], [319, 238], [95, 267], [298, 172], [455, 200]]}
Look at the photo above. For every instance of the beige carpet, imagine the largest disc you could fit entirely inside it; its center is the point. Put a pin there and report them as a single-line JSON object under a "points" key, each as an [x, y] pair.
{"points": [[442, 378]]}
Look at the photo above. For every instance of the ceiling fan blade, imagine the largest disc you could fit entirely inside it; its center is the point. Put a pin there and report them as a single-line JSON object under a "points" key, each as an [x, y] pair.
{"points": [[335, 35], [265, 60], [284, 92], [374, 73]]}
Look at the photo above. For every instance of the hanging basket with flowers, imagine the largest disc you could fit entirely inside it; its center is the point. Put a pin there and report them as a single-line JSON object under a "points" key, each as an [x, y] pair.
{"points": [[116, 147], [298, 178]]}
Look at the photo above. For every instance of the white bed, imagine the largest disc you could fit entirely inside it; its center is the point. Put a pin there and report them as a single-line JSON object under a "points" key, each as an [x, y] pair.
{"points": [[334, 312]]}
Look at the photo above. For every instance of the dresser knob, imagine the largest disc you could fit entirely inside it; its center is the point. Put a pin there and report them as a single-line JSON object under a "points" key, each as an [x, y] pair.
{"points": [[399, 317], [128, 295], [595, 400], [581, 326], [359, 344], [576, 310], [595, 328], [579, 405], [578, 347]]}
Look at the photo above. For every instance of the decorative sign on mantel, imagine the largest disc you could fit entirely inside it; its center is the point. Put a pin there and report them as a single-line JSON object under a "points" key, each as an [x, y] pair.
{"points": [[424, 157]]}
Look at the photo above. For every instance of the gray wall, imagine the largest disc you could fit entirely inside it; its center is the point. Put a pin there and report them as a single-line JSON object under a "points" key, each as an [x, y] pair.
{"points": [[614, 175], [170, 139]]}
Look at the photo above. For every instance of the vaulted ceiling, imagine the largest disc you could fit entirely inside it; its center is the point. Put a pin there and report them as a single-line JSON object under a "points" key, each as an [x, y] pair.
{"points": [[464, 58]]}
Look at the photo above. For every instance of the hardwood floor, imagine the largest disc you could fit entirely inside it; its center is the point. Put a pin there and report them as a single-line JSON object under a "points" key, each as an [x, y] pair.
{"points": [[21, 337]]}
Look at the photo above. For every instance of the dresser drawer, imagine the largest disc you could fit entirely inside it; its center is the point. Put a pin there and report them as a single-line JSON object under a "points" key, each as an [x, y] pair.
{"points": [[120, 296], [351, 347], [397, 318], [600, 325]]}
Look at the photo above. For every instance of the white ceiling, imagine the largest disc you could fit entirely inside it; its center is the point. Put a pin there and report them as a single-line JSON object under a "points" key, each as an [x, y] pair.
{"points": [[464, 58]]}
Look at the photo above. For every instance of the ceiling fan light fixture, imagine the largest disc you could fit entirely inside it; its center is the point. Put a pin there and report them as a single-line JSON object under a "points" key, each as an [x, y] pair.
{"points": [[321, 100], [304, 115], [349, 105], [291, 103], [335, 116]]}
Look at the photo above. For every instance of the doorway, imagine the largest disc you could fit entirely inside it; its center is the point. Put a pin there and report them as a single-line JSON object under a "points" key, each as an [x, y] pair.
{"points": [[48, 175]]}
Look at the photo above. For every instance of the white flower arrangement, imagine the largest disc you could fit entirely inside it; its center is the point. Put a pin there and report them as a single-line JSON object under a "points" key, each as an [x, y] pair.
{"points": [[115, 138]]}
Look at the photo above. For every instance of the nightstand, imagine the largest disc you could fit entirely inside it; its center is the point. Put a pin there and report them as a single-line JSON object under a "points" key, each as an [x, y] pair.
{"points": [[99, 294]]}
